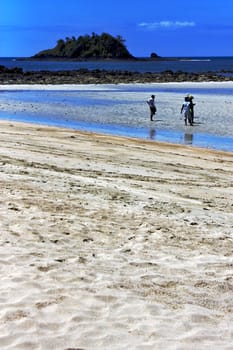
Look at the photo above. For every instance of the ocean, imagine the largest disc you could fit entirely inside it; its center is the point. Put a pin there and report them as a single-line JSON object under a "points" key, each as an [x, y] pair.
{"points": [[190, 64], [122, 110]]}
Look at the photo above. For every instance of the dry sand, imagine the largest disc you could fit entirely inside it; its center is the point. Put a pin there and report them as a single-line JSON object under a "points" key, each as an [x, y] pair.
{"points": [[110, 243]]}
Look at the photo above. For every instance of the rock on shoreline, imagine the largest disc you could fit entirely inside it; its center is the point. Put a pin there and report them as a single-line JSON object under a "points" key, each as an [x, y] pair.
{"points": [[85, 76]]}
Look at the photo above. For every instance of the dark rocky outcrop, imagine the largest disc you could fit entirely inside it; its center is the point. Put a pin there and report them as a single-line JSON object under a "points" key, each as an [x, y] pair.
{"points": [[5, 70], [85, 76]]}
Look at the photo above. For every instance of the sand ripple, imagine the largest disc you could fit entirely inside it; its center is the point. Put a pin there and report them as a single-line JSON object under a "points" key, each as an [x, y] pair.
{"points": [[110, 243]]}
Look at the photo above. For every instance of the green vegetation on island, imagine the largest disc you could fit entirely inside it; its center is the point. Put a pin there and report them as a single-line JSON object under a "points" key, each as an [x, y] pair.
{"points": [[103, 46]]}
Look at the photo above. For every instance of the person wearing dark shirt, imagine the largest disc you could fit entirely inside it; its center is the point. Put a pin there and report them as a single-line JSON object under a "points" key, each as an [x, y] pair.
{"points": [[151, 104], [191, 105]]}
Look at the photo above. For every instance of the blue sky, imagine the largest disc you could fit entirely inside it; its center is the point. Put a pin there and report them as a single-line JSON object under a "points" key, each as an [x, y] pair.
{"points": [[167, 27]]}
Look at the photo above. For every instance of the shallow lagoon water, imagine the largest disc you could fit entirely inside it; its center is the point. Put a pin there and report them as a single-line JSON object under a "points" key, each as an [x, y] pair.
{"points": [[151, 133], [121, 110]]}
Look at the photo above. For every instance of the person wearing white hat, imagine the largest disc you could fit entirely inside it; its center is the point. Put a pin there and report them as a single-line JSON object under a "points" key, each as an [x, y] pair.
{"points": [[185, 109]]}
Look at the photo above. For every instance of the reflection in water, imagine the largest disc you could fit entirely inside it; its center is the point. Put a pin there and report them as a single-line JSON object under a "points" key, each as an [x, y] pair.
{"points": [[188, 139], [152, 133]]}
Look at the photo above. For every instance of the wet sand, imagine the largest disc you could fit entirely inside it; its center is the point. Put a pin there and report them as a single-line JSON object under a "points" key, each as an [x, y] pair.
{"points": [[121, 109], [113, 243]]}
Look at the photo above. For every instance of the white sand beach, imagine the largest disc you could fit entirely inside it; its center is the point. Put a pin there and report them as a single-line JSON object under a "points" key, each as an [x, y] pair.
{"points": [[113, 244]]}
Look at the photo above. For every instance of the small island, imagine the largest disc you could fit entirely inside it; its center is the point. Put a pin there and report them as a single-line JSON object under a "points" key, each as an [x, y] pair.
{"points": [[94, 46]]}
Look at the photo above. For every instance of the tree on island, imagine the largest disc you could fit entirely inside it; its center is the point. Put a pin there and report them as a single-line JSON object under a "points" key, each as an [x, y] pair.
{"points": [[86, 46], [154, 55]]}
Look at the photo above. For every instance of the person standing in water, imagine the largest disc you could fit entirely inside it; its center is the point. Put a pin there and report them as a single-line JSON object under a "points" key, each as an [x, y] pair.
{"points": [[185, 109], [191, 105], [151, 104]]}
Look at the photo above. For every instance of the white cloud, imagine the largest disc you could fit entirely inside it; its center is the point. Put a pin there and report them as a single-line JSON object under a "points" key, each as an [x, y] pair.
{"points": [[166, 25]]}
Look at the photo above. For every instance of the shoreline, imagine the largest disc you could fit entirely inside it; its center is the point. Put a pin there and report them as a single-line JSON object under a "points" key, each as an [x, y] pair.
{"points": [[118, 240], [188, 138], [167, 126], [112, 137], [101, 86]]}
